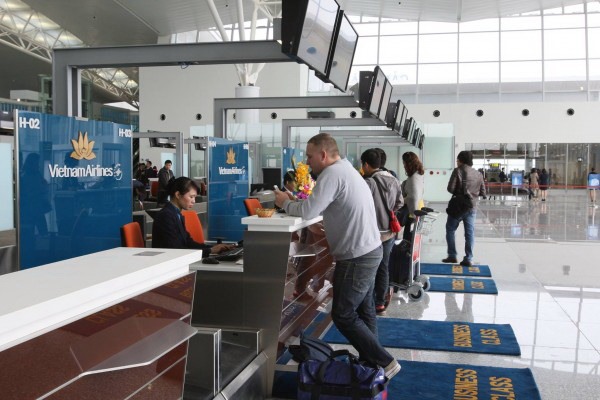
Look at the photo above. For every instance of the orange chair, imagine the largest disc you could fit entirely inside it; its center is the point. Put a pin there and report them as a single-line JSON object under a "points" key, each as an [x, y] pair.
{"points": [[154, 189], [252, 205], [193, 225], [131, 235]]}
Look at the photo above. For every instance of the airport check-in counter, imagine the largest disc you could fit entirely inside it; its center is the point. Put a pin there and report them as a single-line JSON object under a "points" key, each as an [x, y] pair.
{"points": [[108, 325], [277, 288]]}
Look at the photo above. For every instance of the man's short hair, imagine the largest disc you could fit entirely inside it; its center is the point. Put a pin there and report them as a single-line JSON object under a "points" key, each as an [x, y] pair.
{"points": [[326, 142], [168, 162], [371, 157], [382, 156], [148, 162], [465, 157]]}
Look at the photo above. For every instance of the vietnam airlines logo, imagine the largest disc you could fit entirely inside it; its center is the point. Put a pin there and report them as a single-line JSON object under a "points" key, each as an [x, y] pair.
{"points": [[230, 156], [82, 148]]}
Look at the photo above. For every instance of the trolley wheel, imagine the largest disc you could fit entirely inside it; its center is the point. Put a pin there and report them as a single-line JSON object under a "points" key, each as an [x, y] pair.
{"points": [[424, 280], [415, 292]]}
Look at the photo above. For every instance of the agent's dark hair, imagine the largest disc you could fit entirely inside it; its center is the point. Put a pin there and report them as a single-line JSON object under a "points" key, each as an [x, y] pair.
{"points": [[289, 177], [371, 157], [465, 157], [168, 162], [182, 185], [382, 156], [412, 164]]}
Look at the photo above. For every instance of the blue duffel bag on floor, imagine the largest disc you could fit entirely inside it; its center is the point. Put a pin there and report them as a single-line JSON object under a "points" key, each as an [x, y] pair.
{"points": [[340, 379]]}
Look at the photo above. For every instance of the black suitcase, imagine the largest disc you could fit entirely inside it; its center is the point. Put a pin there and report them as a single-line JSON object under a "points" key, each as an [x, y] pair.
{"points": [[399, 264]]}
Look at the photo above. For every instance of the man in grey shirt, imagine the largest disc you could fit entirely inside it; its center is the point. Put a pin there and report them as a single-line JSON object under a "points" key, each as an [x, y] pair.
{"points": [[350, 222]]}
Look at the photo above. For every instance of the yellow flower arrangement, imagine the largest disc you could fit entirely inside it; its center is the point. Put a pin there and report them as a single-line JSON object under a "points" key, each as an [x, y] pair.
{"points": [[304, 182]]}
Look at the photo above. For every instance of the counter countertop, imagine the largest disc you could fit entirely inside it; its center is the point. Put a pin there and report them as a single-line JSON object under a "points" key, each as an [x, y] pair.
{"points": [[278, 223], [38, 300]]}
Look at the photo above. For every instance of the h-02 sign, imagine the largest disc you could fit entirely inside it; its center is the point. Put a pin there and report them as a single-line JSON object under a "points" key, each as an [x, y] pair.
{"points": [[31, 123]]}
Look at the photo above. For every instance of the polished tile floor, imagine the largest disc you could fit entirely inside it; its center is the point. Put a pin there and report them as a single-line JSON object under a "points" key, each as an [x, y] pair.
{"points": [[545, 260]]}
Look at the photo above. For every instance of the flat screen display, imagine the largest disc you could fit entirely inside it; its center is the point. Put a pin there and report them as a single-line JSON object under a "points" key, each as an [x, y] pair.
{"points": [[594, 181], [377, 88], [400, 117], [415, 136], [516, 178], [343, 54], [407, 127], [317, 33], [385, 100]]}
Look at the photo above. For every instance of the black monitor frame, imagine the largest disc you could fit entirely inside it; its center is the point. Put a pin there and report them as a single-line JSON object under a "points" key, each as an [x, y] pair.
{"points": [[376, 91], [294, 24], [385, 100], [407, 128], [415, 136], [343, 25], [400, 118]]}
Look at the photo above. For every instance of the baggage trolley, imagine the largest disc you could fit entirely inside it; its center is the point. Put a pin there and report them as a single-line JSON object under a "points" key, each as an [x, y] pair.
{"points": [[416, 284]]}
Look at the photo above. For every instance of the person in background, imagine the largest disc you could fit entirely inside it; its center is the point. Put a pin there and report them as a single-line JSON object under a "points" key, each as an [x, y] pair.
{"points": [[592, 190], [150, 171], [165, 175], [392, 200], [288, 181], [544, 184], [168, 228], [412, 190], [475, 186], [351, 230], [502, 176], [534, 184], [383, 158]]}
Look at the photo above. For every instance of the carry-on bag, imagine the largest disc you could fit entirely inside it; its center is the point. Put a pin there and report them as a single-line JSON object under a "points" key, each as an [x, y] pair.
{"points": [[336, 379], [399, 263]]}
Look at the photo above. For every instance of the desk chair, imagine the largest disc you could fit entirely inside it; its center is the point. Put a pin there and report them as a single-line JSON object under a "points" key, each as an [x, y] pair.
{"points": [[193, 225], [131, 235], [252, 205], [154, 190]]}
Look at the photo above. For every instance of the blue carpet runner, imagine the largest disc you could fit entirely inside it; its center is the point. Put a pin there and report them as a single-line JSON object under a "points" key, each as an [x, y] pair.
{"points": [[440, 335], [462, 285], [455, 270], [439, 381]]}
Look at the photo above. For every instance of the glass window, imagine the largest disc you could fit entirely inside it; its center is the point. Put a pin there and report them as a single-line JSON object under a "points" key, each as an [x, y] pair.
{"points": [[401, 74], [593, 20], [595, 70], [520, 23], [564, 70], [437, 73], [556, 163], [521, 71], [438, 48], [482, 25], [437, 27], [366, 29], [593, 7], [399, 28], [521, 45], [564, 43], [355, 73], [564, 21], [398, 49], [594, 43], [479, 72], [479, 46], [366, 50], [574, 9]]}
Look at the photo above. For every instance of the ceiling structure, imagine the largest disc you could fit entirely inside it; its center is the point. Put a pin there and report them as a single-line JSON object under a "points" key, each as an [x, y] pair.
{"points": [[138, 22]]}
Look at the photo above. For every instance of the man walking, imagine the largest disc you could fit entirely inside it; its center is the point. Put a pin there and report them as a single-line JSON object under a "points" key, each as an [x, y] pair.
{"points": [[164, 176], [351, 229]]}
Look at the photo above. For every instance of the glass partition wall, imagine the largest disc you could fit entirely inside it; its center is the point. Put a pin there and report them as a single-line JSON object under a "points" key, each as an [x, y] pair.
{"points": [[567, 163]]}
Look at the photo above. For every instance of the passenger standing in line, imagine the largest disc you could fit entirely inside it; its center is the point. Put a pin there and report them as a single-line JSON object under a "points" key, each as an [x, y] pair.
{"points": [[351, 229], [390, 186], [164, 177], [475, 186], [383, 158], [412, 190], [592, 190], [544, 184]]}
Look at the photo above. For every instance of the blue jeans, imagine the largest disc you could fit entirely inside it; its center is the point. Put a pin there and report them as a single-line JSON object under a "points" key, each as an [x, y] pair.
{"points": [[353, 310], [468, 220], [382, 279]]}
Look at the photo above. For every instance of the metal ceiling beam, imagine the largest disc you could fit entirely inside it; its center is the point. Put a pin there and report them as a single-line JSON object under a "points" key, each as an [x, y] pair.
{"points": [[67, 62], [287, 124]]}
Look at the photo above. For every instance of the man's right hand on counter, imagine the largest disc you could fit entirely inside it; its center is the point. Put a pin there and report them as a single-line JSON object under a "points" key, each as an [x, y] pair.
{"points": [[281, 197]]}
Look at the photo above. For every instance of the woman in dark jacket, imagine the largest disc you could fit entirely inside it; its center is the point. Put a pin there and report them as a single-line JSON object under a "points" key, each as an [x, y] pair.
{"points": [[544, 183]]}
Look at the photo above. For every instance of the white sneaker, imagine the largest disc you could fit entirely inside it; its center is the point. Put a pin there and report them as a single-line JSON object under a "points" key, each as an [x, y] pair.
{"points": [[392, 369]]}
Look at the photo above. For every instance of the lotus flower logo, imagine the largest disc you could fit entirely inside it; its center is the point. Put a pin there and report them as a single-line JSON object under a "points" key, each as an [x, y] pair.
{"points": [[82, 148], [230, 156]]}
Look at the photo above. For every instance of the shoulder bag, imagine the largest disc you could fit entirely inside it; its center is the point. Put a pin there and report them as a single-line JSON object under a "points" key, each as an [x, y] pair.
{"points": [[460, 202]]}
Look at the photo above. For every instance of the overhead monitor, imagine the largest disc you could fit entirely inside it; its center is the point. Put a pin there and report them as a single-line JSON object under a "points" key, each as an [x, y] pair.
{"points": [[421, 141], [385, 100], [376, 92], [407, 128], [307, 31], [415, 136], [400, 119], [344, 46], [162, 142], [391, 115]]}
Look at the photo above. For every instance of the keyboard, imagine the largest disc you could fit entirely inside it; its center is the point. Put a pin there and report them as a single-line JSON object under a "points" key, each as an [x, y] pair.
{"points": [[231, 255]]}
